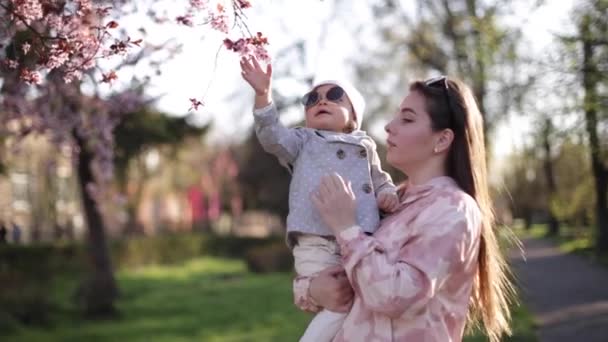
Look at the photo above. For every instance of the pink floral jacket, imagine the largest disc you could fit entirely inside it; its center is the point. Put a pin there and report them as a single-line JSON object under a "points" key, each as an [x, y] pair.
{"points": [[413, 278]]}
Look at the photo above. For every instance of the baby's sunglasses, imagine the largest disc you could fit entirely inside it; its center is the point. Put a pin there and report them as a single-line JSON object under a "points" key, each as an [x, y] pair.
{"points": [[334, 94]]}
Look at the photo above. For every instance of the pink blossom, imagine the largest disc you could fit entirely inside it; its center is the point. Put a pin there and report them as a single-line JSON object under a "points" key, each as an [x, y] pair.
{"points": [[29, 10], [219, 21], [53, 21], [252, 46], [25, 47], [242, 4], [109, 77], [199, 4], [31, 77], [10, 63], [85, 5], [185, 20], [72, 75], [195, 104], [72, 38], [57, 56], [69, 37], [261, 53]]}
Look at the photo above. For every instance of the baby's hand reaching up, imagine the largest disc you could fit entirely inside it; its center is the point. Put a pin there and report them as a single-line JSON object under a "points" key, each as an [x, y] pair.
{"points": [[257, 78], [388, 201]]}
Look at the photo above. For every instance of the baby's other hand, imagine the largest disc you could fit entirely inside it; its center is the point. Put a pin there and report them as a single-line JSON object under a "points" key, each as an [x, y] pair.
{"points": [[388, 201]]}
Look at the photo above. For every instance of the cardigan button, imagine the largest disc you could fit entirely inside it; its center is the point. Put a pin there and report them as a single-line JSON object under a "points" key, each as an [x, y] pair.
{"points": [[341, 154], [363, 153], [366, 188]]}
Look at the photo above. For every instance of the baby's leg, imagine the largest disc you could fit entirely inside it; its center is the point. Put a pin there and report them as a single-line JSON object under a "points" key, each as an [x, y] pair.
{"points": [[313, 254]]}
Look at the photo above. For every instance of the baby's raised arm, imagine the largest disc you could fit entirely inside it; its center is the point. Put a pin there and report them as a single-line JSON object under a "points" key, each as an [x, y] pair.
{"points": [[283, 142], [258, 79]]}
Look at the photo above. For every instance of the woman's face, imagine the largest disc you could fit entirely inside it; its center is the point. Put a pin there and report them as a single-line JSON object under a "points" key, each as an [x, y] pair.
{"points": [[410, 141]]}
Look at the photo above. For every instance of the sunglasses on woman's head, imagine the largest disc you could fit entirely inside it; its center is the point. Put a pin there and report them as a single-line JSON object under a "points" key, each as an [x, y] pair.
{"points": [[437, 82], [334, 94], [441, 82]]}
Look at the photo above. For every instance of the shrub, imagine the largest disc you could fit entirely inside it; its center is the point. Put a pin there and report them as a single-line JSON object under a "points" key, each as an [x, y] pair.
{"points": [[160, 249], [25, 275], [274, 257], [179, 247], [236, 247]]}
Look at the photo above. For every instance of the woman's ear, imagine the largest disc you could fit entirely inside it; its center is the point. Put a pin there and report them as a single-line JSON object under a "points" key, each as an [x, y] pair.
{"points": [[444, 140]]}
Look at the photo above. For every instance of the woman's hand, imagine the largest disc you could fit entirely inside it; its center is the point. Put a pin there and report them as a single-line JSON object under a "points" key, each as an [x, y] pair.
{"points": [[335, 201], [388, 201], [257, 78], [331, 289]]}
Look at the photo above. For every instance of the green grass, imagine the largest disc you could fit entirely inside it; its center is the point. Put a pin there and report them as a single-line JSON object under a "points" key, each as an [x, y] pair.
{"points": [[570, 240], [206, 299]]}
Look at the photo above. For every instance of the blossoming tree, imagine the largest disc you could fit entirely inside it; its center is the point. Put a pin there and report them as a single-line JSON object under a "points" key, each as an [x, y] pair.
{"points": [[50, 48]]}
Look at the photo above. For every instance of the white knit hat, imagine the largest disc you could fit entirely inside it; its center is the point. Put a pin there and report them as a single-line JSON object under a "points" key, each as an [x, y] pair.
{"points": [[353, 94]]}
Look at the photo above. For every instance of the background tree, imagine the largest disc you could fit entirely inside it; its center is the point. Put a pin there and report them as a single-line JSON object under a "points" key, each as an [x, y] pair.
{"points": [[50, 46], [573, 202], [589, 53], [138, 132], [549, 172], [467, 39], [525, 189]]}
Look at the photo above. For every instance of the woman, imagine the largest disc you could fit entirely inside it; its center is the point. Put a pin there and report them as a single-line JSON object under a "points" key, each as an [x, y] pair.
{"points": [[435, 264]]}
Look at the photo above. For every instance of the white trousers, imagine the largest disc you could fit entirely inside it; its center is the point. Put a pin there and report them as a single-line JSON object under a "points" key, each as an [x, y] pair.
{"points": [[313, 254]]}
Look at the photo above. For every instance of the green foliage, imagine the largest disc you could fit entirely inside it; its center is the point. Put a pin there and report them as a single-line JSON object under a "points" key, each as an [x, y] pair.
{"points": [[237, 247], [576, 205], [526, 188], [573, 201], [27, 275], [175, 248], [24, 275], [147, 128], [162, 249], [466, 39], [263, 181]]}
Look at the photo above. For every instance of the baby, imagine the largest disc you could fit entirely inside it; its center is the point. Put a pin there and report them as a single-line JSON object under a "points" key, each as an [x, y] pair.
{"points": [[331, 142]]}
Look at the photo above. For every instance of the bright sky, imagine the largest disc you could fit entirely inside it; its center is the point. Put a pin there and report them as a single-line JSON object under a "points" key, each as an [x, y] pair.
{"points": [[197, 69], [539, 28], [197, 72]]}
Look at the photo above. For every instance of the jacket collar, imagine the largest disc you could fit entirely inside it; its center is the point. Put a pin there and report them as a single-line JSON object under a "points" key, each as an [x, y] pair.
{"points": [[355, 137], [415, 192]]}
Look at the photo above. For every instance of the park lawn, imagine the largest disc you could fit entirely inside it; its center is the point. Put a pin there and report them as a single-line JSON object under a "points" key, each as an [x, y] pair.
{"points": [[205, 299]]}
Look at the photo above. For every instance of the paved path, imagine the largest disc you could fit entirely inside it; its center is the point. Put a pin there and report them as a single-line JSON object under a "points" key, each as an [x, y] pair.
{"points": [[567, 294]]}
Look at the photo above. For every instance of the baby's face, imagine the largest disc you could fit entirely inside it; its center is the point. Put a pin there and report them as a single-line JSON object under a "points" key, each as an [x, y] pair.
{"points": [[329, 115]]}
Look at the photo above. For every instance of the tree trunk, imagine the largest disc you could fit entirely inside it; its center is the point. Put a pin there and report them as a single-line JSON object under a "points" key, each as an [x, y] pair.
{"points": [[550, 177], [591, 103], [99, 290], [528, 220]]}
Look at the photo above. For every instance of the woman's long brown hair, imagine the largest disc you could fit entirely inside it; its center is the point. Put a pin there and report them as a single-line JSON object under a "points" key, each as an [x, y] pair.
{"points": [[466, 164]]}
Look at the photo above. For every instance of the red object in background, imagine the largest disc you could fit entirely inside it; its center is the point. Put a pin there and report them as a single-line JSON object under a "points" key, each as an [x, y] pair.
{"points": [[197, 204]]}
